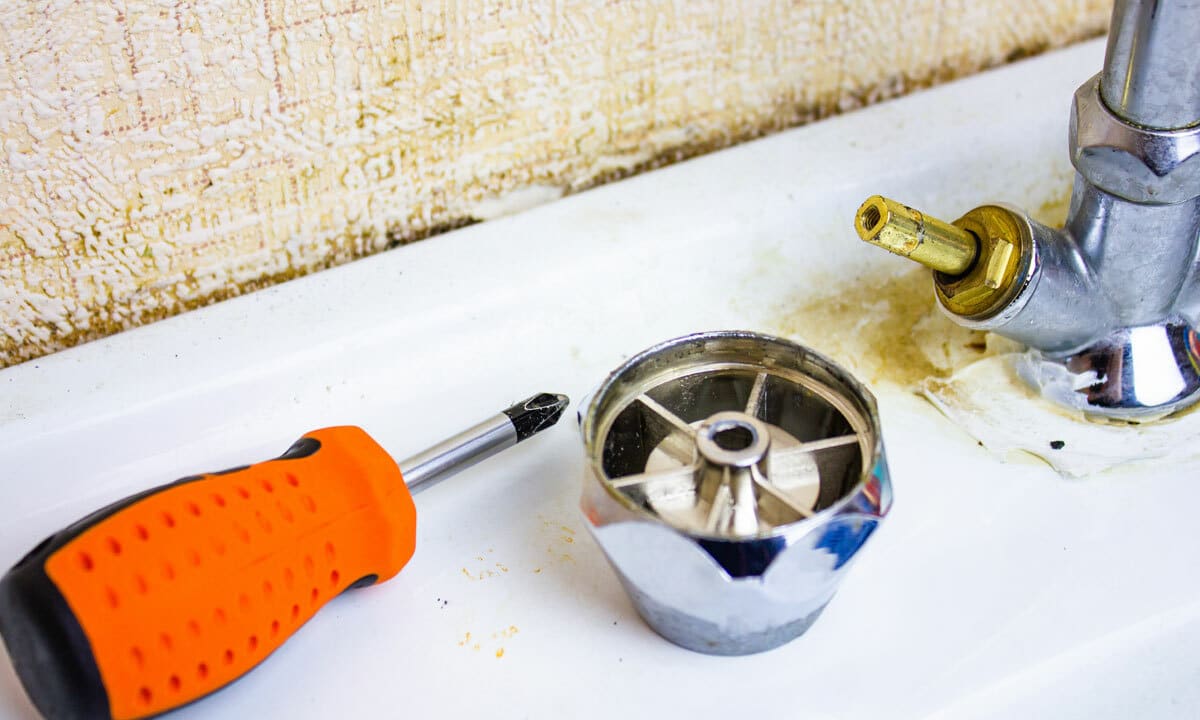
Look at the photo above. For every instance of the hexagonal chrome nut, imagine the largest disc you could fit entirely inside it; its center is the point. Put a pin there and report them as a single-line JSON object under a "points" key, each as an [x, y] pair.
{"points": [[1153, 167], [819, 492]]}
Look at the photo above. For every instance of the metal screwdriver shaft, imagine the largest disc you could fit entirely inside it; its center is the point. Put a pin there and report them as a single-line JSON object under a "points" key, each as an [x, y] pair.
{"points": [[499, 432]]}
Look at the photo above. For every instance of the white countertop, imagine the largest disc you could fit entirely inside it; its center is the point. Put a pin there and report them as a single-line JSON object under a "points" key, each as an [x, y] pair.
{"points": [[993, 590]]}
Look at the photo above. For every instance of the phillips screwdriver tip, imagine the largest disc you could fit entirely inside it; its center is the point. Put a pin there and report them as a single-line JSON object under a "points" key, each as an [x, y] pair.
{"points": [[535, 414], [503, 430]]}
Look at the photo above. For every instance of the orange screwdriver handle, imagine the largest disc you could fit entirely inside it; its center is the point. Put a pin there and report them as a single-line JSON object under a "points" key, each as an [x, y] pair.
{"points": [[164, 597]]}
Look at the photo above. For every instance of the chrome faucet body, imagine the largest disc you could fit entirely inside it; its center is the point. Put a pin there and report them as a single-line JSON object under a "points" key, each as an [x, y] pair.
{"points": [[1114, 302], [1110, 304]]}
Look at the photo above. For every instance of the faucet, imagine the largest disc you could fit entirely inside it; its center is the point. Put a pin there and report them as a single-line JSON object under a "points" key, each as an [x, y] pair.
{"points": [[1109, 305]]}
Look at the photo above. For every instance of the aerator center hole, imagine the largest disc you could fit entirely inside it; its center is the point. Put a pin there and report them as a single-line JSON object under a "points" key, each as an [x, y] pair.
{"points": [[871, 218], [733, 437]]}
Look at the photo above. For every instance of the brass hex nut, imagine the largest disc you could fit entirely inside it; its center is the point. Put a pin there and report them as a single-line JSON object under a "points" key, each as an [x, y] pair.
{"points": [[1005, 252]]}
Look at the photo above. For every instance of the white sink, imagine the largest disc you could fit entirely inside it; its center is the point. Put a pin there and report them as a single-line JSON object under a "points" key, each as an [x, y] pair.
{"points": [[994, 590]]}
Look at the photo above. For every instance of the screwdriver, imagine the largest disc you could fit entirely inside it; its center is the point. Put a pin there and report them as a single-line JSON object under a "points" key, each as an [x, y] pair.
{"points": [[166, 596]]}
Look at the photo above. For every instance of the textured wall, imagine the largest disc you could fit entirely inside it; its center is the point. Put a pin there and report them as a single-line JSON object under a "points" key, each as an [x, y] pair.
{"points": [[160, 154]]}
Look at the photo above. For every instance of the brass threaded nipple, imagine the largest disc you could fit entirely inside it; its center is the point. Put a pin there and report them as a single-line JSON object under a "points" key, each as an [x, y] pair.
{"points": [[910, 233]]}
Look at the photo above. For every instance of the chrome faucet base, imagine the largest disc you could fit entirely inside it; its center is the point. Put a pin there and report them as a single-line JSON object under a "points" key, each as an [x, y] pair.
{"points": [[1136, 374]]}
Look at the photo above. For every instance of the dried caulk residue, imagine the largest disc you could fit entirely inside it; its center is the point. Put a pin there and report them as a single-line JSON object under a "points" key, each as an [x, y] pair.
{"points": [[989, 400]]}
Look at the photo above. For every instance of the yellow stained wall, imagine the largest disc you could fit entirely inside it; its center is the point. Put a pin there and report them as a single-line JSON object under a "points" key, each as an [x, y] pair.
{"points": [[160, 154]]}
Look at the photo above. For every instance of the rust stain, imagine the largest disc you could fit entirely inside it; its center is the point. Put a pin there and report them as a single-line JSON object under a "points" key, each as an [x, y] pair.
{"points": [[871, 329], [1053, 211]]}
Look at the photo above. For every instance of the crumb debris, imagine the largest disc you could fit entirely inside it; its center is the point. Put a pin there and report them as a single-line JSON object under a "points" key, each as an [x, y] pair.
{"points": [[483, 574]]}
